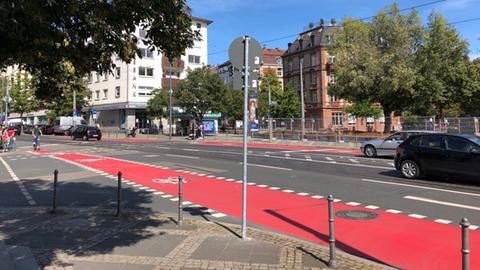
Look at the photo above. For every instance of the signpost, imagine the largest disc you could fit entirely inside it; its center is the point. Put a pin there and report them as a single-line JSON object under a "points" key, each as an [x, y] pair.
{"points": [[245, 52]]}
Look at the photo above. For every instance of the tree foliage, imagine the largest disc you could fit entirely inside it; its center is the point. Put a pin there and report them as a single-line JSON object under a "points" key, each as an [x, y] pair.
{"points": [[269, 81], [157, 106], [288, 103], [375, 61], [22, 92], [39, 34], [364, 109], [201, 92], [233, 104]]}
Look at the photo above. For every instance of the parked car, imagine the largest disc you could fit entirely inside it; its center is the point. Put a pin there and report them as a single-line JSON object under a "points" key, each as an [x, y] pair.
{"points": [[87, 132], [27, 129], [63, 123], [444, 154], [69, 131], [387, 146], [48, 130]]}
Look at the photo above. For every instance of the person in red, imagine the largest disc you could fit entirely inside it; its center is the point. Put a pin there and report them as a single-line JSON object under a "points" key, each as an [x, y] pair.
{"points": [[5, 140], [11, 138]]}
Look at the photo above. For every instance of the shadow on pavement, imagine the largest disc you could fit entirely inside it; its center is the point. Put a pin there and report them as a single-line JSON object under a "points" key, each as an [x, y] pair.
{"points": [[72, 230], [323, 237]]}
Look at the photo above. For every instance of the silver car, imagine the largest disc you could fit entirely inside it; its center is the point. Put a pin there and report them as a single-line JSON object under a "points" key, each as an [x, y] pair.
{"points": [[388, 145]]}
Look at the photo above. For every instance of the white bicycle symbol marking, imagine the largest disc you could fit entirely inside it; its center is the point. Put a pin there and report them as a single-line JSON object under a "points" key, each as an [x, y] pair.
{"points": [[169, 180]]}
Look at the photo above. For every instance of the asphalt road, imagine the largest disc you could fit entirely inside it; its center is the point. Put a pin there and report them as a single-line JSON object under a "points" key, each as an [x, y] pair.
{"points": [[355, 180]]}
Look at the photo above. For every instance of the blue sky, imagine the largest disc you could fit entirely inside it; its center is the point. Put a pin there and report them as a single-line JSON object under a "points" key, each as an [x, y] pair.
{"points": [[271, 19]]}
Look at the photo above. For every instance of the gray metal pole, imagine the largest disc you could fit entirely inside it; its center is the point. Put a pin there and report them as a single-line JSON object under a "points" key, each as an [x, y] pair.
{"points": [[74, 109], [7, 95], [119, 193], [465, 244], [170, 114], [246, 40], [332, 262], [55, 182], [302, 99], [180, 201], [270, 128]]}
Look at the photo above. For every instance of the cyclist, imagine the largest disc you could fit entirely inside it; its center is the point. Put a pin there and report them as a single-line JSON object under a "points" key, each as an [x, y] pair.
{"points": [[36, 133]]}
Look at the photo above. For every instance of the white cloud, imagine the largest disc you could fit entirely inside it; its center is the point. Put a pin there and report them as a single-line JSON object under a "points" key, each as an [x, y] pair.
{"points": [[474, 55]]}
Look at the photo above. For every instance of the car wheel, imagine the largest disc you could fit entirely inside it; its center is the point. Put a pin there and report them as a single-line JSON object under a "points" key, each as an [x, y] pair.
{"points": [[85, 138], [410, 169], [370, 151]]}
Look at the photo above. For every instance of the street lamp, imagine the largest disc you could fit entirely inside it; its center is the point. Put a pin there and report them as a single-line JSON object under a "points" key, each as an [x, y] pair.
{"points": [[302, 99]]}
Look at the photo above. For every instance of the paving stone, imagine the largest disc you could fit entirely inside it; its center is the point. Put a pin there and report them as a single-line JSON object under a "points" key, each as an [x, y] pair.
{"points": [[79, 265], [55, 239]]}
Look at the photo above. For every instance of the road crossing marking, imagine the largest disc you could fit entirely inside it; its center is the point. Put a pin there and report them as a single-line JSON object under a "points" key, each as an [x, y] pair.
{"points": [[317, 197], [288, 191], [372, 207], [353, 203], [443, 221], [180, 156], [354, 160], [274, 188], [416, 216], [393, 211], [303, 194], [308, 157]]}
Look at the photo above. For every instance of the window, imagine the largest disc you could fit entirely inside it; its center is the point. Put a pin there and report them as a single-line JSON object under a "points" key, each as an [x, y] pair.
{"points": [[145, 71], [145, 91], [117, 91], [333, 98], [329, 39], [331, 78], [90, 78], [458, 144], [397, 137], [433, 142], [278, 60], [313, 59], [352, 119], [146, 53], [97, 95], [279, 72], [314, 96], [313, 78], [105, 93], [97, 78], [290, 66], [312, 40], [142, 33], [199, 25], [193, 59], [105, 76], [337, 118], [331, 59], [117, 72]]}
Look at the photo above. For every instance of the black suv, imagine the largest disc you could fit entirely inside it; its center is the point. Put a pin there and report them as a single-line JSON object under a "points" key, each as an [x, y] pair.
{"points": [[441, 154], [86, 132]]}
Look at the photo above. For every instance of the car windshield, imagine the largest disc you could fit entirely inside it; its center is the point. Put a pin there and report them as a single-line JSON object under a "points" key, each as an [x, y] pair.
{"points": [[472, 138]]}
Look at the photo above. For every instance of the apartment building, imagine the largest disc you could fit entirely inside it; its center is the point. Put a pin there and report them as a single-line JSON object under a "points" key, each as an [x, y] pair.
{"points": [[120, 98]]}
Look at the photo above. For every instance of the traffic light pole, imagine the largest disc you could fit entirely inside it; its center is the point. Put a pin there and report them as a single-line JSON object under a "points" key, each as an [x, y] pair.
{"points": [[170, 114], [246, 40], [270, 128], [7, 97], [302, 99]]}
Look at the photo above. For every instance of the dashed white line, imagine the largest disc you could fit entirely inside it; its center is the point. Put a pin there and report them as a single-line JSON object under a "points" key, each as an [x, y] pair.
{"points": [[174, 199], [337, 200], [269, 167], [274, 188], [220, 178], [354, 160], [372, 207], [167, 196], [308, 157], [416, 216], [288, 191], [303, 194], [393, 211], [251, 183], [353, 203], [158, 193], [15, 178], [218, 215], [180, 156], [317, 197], [148, 156], [262, 186], [186, 203], [473, 227], [443, 221]]}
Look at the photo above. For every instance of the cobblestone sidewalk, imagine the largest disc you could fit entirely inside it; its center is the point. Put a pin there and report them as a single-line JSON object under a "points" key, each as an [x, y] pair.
{"points": [[86, 238]]}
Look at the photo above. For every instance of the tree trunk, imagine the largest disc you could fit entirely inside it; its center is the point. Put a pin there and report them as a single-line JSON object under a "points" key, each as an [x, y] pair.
{"points": [[388, 120]]}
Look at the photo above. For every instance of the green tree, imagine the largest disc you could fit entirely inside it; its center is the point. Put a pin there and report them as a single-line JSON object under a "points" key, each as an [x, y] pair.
{"points": [[202, 91], [233, 106], [375, 60], [442, 62], [269, 80], [23, 95], [38, 34], [363, 109], [157, 106], [288, 105], [471, 99]]}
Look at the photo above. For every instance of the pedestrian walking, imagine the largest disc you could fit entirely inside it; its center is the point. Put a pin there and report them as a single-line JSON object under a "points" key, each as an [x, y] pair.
{"points": [[5, 140], [161, 128], [36, 133], [11, 139]]}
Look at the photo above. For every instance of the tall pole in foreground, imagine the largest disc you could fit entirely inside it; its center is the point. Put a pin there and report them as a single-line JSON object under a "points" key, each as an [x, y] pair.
{"points": [[302, 100], [270, 128], [7, 97], [74, 109], [246, 40], [170, 92]]}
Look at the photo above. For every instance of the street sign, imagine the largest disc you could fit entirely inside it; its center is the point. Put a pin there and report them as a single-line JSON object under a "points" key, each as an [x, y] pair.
{"points": [[236, 53], [7, 99]]}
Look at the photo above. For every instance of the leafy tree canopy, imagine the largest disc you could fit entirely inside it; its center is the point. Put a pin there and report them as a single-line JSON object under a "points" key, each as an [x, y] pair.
{"points": [[23, 95], [157, 106], [40, 34], [269, 81], [363, 109], [288, 104]]}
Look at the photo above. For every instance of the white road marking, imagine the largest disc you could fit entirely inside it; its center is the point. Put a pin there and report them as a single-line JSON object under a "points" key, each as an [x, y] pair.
{"points": [[218, 215], [191, 150], [151, 190], [354, 160], [239, 181], [137, 185], [287, 155], [372, 207], [353, 203], [423, 187], [473, 227], [391, 164], [269, 167], [17, 180], [416, 216], [158, 193], [150, 155], [443, 221], [230, 179], [220, 178], [167, 196], [162, 147], [442, 203], [274, 188], [393, 211], [303, 194], [287, 191], [251, 183], [211, 176], [337, 200], [317, 197], [308, 157], [262, 186], [174, 199], [180, 156], [329, 158], [186, 203]]}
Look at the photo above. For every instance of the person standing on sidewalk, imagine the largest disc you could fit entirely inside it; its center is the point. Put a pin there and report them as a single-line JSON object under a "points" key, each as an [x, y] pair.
{"points": [[5, 139], [36, 133], [11, 138]]}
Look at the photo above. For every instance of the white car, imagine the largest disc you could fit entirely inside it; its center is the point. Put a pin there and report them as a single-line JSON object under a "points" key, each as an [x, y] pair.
{"points": [[388, 145]]}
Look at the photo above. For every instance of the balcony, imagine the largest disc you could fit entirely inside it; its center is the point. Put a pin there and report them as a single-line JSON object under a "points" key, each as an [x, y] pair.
{"points": [[330, 67], [166, 83], [177, 64]]}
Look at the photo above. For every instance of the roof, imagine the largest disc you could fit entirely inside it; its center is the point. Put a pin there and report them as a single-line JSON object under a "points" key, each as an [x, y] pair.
{"points": [[321, 35], [198, 19], [272, 56]]}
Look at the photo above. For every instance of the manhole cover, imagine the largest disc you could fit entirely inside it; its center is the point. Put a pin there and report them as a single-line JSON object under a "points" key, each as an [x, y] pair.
{"points": [[356, 214]]}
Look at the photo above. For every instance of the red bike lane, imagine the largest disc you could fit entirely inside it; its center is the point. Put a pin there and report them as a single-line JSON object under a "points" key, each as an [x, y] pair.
{"points": [[393, 239]]}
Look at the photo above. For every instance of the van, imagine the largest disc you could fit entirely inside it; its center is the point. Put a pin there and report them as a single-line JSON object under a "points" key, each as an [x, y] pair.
{"points": [[63, 123]]}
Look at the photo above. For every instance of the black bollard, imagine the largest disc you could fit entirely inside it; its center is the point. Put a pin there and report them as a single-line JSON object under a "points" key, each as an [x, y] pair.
{"points": [[180, 200], [119, 193], [55, 181], [465, 244], [332, 262]]}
